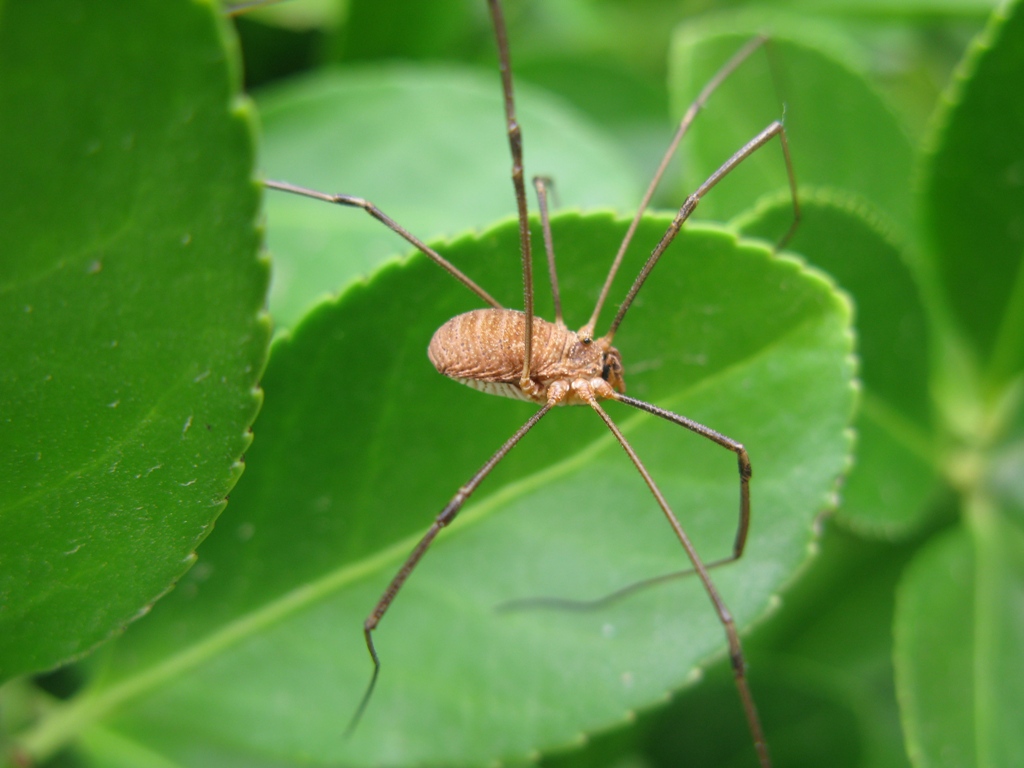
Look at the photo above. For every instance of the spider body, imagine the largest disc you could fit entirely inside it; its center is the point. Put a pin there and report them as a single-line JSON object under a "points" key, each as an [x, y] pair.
{"points": [[484, 349]]}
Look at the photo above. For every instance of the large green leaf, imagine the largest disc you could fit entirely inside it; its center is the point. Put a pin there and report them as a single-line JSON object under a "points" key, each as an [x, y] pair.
{"points": [[260, 652], [425, 145], [131, 293], [973, 197]]}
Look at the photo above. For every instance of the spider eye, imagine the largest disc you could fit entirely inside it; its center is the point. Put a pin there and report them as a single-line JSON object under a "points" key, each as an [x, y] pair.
{"points": [[611, 365]]}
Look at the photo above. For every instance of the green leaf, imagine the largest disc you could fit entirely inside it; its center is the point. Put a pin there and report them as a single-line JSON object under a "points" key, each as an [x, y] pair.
{"points": [[376, 30], [424, 145], [131, 294], [973, 196], [841, 135], [260, 651], [958, 640], [999, 666], [895, 474], [934, 678]]}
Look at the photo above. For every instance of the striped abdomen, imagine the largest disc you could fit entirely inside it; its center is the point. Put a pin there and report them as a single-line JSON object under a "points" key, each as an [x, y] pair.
{"points": [[484, 349]]}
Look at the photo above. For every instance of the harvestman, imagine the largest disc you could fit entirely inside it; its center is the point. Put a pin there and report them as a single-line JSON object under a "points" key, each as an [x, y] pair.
{"points": [[514, 354]]}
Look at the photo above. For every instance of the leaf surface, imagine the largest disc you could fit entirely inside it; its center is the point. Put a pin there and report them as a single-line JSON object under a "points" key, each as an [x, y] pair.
{"points": [[973, 196], [130, 298], [260, 652]]}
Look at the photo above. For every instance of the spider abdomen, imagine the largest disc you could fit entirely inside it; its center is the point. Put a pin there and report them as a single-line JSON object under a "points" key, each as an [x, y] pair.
{"points": [[485, 350]]}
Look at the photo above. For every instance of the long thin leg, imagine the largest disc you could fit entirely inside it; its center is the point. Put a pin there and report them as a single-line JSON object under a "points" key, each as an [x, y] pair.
{"points": [[739, 543], [541, 184], [690, 204], [724, 616], [515, 141], [742, 462], [684, 125], [379, 215], [448, 514]]}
